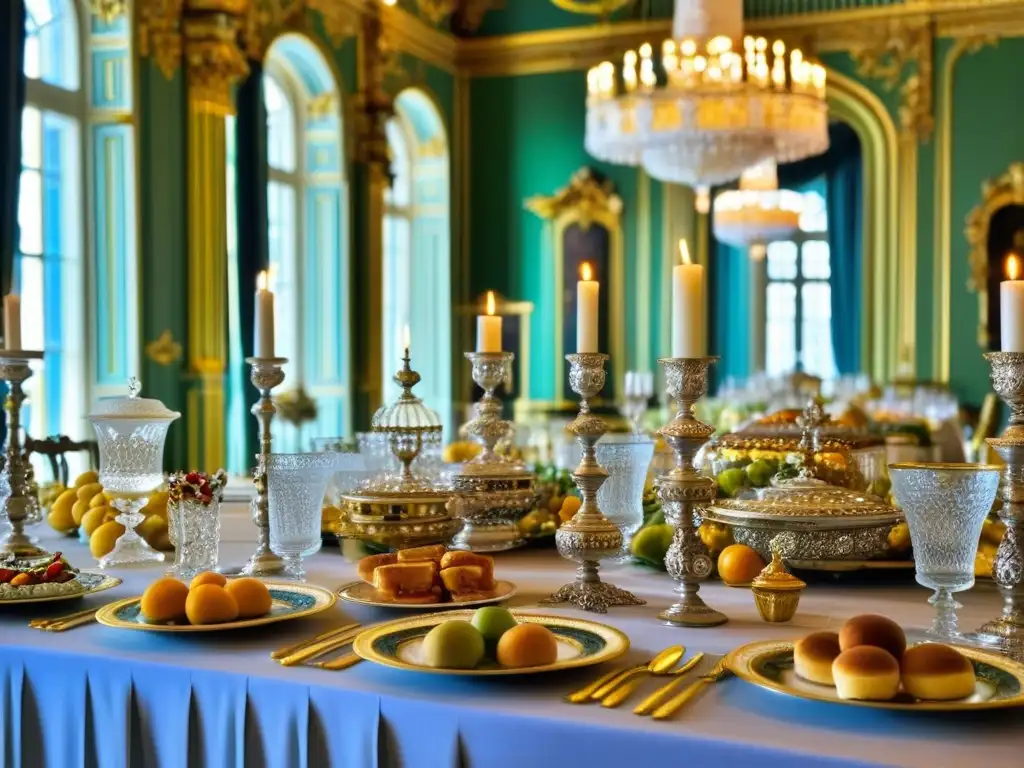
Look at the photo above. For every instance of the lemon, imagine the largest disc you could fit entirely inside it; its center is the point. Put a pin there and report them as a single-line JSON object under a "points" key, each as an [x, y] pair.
{"points": [[992, 531], [99, 500], [78, 510], [93, 519], [86, 492], [103, 539], [60, 517], [151, 528], [86, 478], [715, 536], [899, 538]]}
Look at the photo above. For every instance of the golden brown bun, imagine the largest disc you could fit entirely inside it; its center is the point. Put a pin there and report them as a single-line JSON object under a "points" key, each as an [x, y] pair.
{"points": [[456, 558], [878, 631], [813, 656], [402, 579], [434, 553], [466, 578], [937, 672], [866, 672], [369, 564]]}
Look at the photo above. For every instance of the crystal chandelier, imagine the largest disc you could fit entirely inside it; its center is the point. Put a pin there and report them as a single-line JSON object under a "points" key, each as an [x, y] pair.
{"points": [[758, 212], [711, 105]]}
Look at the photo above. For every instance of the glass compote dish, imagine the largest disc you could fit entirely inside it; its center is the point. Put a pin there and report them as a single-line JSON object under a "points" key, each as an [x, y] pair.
{"points": [[945, 506], [131, 432], [296, 483]]}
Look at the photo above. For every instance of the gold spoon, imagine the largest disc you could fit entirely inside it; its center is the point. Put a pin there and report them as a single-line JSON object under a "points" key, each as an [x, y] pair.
{"points": [[623, 692], [659, 665], [611, 679]]}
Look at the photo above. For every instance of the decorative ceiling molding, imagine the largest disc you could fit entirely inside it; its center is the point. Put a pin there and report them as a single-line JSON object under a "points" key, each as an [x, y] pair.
{"points": [[108, 11]]}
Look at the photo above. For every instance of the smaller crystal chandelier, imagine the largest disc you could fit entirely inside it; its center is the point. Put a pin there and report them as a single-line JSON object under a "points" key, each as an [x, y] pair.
{"points": [[758, 212]]}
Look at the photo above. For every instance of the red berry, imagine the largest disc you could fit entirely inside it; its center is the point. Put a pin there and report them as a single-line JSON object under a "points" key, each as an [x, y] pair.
{"points": [[6, 574], [53, 570], [192, 477]]}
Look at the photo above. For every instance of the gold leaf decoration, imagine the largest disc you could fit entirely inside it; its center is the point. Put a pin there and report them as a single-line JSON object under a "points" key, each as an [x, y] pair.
{"points": [[164, 350], [585, 195]]}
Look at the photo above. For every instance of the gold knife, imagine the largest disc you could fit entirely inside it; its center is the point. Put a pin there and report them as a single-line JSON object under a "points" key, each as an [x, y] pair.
{"points": [[622, 693], [677, 702], [40, 623], [288, 650], [648, 704], [342, 662], [318, 649], [618, 680], [583, 694]]}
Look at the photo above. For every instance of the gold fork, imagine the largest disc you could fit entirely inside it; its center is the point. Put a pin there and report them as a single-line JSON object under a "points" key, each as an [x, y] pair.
{"points": [[288, 650], [61, 623], [335, 641], [623, 692], [677, 702]]}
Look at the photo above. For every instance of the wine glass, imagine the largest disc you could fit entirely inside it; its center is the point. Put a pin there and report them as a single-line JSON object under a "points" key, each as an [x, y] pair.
{"points": [[945, 506], [627, 458]]}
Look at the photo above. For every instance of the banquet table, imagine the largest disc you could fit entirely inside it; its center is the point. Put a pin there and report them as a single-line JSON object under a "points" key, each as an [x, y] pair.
{"points": [[103, 697]]}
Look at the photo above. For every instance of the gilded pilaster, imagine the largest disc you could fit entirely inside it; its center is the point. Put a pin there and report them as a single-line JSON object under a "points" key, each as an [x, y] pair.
{"points": [[213, 62]]}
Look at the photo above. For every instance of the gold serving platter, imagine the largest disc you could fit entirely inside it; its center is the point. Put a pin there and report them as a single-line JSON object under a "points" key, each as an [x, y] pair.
{"points": [[581, 643], [289, 601], [769, 664], [366, 594], [92, 581]]}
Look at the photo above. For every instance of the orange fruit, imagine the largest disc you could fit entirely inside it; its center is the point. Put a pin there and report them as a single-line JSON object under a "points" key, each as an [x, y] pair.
{"points": [[570, 507], [527, 645], [210, 604], [738, 565], [252, 596], [164, 600], [208, 577]]}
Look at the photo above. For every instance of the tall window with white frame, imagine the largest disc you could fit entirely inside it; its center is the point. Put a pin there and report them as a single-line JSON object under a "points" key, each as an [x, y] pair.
{"points": [[397, 248], [799, 300]]}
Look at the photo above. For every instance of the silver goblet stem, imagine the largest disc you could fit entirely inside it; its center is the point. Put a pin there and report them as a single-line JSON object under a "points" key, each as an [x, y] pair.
{"points": [[14, 369], [683, 493], [490, 369], [589, 537], [266, 374], [1007, 631]]}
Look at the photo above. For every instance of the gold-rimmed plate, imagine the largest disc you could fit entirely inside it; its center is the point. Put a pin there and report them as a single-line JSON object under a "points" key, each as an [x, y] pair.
{"points": [[769, 664], [366, 594], [92, 582], [581, 643], [288, 601]]}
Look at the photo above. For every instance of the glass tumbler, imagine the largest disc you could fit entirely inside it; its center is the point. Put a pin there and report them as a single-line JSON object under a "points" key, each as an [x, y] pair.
{"points": [[627, 458], [945, 506], [296, 483], [194, 530]]}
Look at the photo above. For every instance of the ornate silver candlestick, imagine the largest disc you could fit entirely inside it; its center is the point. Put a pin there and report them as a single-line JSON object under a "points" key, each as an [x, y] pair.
{"points": [[683, 492], [589, 537], [1007, 632], [266, 374], [491, 493], [17, 502]]}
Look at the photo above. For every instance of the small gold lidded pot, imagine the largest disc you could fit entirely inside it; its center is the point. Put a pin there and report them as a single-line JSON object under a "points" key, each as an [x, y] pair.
{"points": [[776, 590]]}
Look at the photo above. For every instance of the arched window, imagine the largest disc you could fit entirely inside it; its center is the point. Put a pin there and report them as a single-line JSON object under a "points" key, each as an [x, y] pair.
{"points": [[306, 206], [417, 250], [76, 205]]}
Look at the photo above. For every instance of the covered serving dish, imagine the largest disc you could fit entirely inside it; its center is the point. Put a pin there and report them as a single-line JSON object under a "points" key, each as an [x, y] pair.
{"points": [[404, 508]]}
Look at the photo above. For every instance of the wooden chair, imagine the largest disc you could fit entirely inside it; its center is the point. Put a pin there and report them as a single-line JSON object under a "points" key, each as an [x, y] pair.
{"points": [[55, 448]]}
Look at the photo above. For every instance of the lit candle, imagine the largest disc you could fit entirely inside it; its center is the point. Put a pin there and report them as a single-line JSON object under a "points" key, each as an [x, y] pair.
{"points": [[488, 328], [1011, 306], [12, 321], [264, 342], [406, 339], [687, 307], [587, 291]]}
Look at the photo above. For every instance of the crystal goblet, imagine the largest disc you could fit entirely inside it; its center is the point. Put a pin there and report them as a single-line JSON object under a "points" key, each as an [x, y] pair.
{"points": [[628, 460], [945, 506], [296, 483]]}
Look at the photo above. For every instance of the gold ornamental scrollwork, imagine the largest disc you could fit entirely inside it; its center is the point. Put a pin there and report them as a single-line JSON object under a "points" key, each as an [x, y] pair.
{"points": [[160, 33], [996, 194], [601, 8], [591, 199], [164, 350], [214, 58], [902, 55], [108, 11]]}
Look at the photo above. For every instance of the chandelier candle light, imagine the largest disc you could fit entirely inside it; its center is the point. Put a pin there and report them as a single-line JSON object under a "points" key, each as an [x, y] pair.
{"points": [[589, 537], [266, 373], [15, 495], [708, 103]]}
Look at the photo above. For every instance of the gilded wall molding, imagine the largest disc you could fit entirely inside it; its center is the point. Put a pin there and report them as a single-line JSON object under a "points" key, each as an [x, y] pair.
{"points": [[997, 193], [964, 46], [586, 198], [164, 350], [159, 23]]}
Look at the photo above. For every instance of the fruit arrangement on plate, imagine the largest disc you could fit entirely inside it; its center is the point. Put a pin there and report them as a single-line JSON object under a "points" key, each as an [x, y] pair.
{"points": [[209, 599], [49, 578], [86, 510], [492, 635]]}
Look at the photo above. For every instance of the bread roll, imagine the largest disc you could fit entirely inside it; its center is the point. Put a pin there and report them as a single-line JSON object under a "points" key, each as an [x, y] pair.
{"points": [[937, 673], [873, 630], [369, 564], [866, 672], [813, 656]]}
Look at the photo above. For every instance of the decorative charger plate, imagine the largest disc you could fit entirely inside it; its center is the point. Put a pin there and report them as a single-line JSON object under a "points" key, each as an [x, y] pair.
{"points": [[581, 643], [289, 601], [769, 664], [366, 594], [92, 581]]}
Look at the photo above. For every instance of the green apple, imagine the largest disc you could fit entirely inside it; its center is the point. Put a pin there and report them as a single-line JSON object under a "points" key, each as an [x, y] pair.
{"points": [[492, 622], [453, 644]]}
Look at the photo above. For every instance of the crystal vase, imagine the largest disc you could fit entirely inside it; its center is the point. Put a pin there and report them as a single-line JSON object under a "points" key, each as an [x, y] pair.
{"points": [[194, 530], [627, 459]]}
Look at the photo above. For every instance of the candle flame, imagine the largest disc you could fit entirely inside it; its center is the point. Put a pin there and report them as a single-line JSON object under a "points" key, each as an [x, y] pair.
{"points": [[1012, 266], [586, 273], [490, 303], [684, 252], [262, 280], [405, 338]]}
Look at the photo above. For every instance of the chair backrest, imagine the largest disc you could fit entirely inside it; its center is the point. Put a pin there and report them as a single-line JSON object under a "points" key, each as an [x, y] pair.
{"points": [[54, 448]]}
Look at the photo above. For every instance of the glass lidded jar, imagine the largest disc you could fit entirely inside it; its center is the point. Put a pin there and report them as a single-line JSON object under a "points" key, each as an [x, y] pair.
{"points": [[131, 432]]}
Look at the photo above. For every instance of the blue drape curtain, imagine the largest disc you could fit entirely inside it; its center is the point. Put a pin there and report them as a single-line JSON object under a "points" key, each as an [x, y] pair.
{"points": [[842, 167], [252, 221]]}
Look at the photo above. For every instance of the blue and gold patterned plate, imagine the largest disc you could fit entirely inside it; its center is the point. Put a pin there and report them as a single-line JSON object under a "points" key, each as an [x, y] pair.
{"points": [[399, 644], [769, 664], [91, 584], [289, 601]]}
